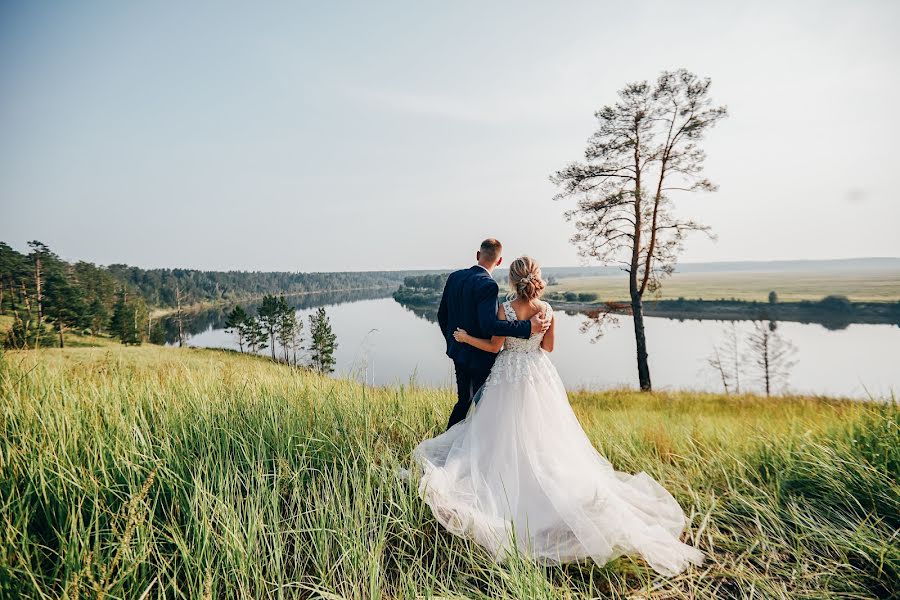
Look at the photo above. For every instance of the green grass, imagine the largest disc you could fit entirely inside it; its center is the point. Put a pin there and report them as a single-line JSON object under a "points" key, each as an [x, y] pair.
{"points": [[865, 286], [184, 473]]}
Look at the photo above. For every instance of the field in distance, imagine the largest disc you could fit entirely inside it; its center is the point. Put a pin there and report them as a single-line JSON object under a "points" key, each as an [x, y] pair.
{"points": [[881, 285]]}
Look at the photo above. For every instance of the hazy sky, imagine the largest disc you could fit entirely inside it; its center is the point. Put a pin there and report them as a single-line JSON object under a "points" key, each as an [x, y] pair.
{"points": [[385, 135]]}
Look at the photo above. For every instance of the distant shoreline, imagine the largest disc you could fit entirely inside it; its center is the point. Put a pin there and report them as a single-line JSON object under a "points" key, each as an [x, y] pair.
{"points": [[158, 313], [833, 317], [876, 313]]}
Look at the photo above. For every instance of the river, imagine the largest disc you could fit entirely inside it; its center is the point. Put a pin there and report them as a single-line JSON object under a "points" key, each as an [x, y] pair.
{"points": [[382, 342]]}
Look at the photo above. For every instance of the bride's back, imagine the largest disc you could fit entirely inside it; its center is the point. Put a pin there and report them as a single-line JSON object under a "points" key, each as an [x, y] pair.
{"points": [[524, 310]]}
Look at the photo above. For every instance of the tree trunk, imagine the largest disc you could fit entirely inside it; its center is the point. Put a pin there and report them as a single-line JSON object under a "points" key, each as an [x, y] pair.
{"points": [[272, 342], [25, 299], [637, 308], [635, 289], [180, 316], [37, 282], [62, 344]]}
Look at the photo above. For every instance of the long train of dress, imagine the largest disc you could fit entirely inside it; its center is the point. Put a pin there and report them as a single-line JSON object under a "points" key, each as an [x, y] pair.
{"points": [[520, 471]]}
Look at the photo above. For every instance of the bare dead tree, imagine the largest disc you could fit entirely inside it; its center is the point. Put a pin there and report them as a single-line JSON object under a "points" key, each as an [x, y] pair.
{"points": [[734, 353], [644, 151], [297, 339], [717, 362], [725, 360], [179, 315], [771, 355]]}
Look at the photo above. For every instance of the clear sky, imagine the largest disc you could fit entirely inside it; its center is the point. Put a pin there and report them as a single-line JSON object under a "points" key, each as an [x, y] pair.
{"points": [[387, 135]]}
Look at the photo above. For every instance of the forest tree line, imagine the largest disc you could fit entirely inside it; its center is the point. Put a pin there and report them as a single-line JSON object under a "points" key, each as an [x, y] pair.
{"points": [[419, 290], [47, 296]]}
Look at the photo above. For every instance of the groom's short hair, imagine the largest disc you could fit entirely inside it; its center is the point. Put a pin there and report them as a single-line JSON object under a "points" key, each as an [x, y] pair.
{"points": [[491, 249]]}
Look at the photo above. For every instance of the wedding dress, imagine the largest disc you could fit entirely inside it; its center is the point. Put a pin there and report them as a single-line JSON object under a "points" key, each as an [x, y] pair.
{"points": [[520, 473]]}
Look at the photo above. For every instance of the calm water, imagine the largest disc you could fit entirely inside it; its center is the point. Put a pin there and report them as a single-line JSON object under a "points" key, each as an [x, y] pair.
{"points": [[383, 342]]}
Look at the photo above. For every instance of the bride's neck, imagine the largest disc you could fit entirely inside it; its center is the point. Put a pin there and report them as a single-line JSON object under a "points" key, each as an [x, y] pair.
{"points": [[533, 303]]}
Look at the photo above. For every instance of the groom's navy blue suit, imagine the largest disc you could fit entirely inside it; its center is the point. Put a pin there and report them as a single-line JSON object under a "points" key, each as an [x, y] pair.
{"points": [[470, 302]]}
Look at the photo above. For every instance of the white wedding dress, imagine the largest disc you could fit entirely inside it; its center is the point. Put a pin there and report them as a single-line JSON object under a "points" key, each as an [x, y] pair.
{"points": [[519, 471]]}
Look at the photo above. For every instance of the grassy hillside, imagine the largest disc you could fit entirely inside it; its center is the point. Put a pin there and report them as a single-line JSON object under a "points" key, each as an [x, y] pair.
{"points": [[201, 473], [859, 286]]}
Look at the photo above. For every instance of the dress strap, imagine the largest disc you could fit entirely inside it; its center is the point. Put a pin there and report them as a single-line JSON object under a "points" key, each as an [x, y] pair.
{"points": [[510, 312]]}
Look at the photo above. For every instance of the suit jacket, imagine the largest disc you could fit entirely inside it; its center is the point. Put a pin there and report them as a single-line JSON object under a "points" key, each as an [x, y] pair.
{"points": [[469, 301]]}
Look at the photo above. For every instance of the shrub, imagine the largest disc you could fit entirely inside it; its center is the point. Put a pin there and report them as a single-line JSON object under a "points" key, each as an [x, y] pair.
{"points": [[838, 304]]}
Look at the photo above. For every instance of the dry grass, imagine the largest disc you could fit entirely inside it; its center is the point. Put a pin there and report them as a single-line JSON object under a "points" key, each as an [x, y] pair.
{"points": [[867, 286]]}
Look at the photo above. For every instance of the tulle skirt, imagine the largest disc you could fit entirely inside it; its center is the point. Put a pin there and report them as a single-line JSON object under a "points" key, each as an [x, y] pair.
{"points": [[519, 474]]}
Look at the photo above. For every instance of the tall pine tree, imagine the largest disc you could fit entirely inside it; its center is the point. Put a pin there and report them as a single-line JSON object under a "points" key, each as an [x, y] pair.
{"points": [[63, 305], [323, 342], [256, 335], [286, 325], [269, 314]]}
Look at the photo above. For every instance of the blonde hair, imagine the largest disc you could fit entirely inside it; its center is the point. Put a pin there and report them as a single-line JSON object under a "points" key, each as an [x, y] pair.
{"points": [[525, 278]]}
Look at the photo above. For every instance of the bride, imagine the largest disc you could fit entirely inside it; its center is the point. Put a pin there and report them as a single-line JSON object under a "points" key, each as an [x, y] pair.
{"points": [[519, 473]]}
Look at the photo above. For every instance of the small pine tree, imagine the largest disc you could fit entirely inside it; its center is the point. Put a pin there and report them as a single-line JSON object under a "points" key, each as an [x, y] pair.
{"points": [[256, 335], [269, 315], [119, 319], [26, 332], [98, 315], [236, 323], [285, 332], [158, 333], [128, 319], [63, 305], [323, 342]]}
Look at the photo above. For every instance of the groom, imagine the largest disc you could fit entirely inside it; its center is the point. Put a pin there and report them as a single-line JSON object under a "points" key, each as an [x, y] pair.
{"points": [[470, 302]]}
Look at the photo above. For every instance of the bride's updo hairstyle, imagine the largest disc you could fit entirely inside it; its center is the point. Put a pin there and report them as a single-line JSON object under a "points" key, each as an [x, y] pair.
{"points": [[525, 278]]}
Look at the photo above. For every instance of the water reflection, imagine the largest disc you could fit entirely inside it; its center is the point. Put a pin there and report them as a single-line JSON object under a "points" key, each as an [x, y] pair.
{"points": [[213, 318], [832, 313], [382, 342]]}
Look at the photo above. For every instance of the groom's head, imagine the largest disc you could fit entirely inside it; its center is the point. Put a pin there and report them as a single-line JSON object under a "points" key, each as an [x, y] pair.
{"points": [[489, 254]]}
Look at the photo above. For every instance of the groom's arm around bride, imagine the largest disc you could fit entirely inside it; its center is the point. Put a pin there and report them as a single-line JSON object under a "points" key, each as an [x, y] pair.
{"points": [[469, 302]]}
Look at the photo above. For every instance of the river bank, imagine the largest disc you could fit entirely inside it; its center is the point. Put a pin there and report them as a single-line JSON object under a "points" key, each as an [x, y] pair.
{"points": [[158, 312]]}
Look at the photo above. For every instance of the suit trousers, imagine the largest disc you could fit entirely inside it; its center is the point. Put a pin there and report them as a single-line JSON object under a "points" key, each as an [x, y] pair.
{"points": [[468, 381]]}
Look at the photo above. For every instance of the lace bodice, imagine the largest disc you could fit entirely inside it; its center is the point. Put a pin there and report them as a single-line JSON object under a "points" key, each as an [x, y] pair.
{"points": [[533, 343]]}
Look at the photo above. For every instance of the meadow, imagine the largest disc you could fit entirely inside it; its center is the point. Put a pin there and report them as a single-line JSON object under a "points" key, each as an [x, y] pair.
{"points": [[148, 472], [859, 286]]}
